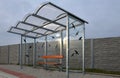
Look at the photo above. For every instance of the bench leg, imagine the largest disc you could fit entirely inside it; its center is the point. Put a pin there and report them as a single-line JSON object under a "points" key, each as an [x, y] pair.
{"points": [[59, 67], [45, 67]]}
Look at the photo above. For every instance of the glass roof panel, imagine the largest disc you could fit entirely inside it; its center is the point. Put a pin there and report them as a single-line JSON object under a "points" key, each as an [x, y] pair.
{"points": [[48, 32], [24, 26], [40, 31], [24, 32], [48, 19], [51, 26], [50, 12], [62, 21], [17, 30], [35, 20], [59, 28], [32, 34]]}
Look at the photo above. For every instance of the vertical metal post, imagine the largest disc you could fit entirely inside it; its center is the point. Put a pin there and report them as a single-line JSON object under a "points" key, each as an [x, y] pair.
{"points": [[92, 54], [19, 54], [83, 49], [25, 51], [0, 53], [61, 48], [67, 47], [21, 50], [28, 53], [8, 54], [61, 45], [45, 52], [34, 53]]}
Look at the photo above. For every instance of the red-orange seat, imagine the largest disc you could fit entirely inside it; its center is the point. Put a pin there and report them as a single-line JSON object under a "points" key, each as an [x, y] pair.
{"points": [[50, 63], [53, 57]]}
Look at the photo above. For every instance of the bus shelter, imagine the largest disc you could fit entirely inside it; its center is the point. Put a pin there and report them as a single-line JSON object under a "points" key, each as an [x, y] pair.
{"points": [[46, 20]]}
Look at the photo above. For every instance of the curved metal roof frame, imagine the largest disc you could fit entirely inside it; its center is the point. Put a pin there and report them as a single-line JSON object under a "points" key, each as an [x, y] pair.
{"points": [[60, 9], [46, 25]]}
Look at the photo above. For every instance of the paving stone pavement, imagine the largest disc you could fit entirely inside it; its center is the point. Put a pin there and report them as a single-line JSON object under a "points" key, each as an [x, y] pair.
{"points": [[41, 73]]}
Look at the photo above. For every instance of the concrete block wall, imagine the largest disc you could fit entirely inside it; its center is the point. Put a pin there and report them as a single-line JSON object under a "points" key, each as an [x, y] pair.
{"points": [[4, 54], [13, 54], [88, 53], [9, 54], [107, 53]]}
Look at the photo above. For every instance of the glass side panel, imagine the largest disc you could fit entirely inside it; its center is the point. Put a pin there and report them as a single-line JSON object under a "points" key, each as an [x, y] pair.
{"points": [[76, 33], [74, 21]]}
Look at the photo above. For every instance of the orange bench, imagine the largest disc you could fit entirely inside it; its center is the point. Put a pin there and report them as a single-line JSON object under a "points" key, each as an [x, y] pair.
{"points": [[50, 63], [52, 57]]}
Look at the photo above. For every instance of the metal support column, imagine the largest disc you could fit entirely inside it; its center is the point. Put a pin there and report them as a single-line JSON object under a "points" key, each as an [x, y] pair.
{"points": [[92, 54], [25, 50], [19, 55], [28, 55], [67, 47], [83, 49], [21, 50], [61, 45], [34, 53], [45, 52]]}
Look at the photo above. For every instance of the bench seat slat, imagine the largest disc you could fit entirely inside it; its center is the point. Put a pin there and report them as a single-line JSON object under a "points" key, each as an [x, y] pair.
{"points": [[52, 57], [50, 63]]}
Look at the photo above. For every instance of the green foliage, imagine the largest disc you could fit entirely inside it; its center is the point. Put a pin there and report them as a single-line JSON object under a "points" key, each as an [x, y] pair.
{"points": [[97, 71], [30, 65], [103, 71]]}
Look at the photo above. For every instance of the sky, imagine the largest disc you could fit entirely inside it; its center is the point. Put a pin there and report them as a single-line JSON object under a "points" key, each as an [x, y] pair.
{"points": [[103, 16]]}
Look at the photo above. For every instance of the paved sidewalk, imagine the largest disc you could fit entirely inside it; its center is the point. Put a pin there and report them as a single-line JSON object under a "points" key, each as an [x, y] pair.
{"points": [[6, 75], [41, 73]]}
